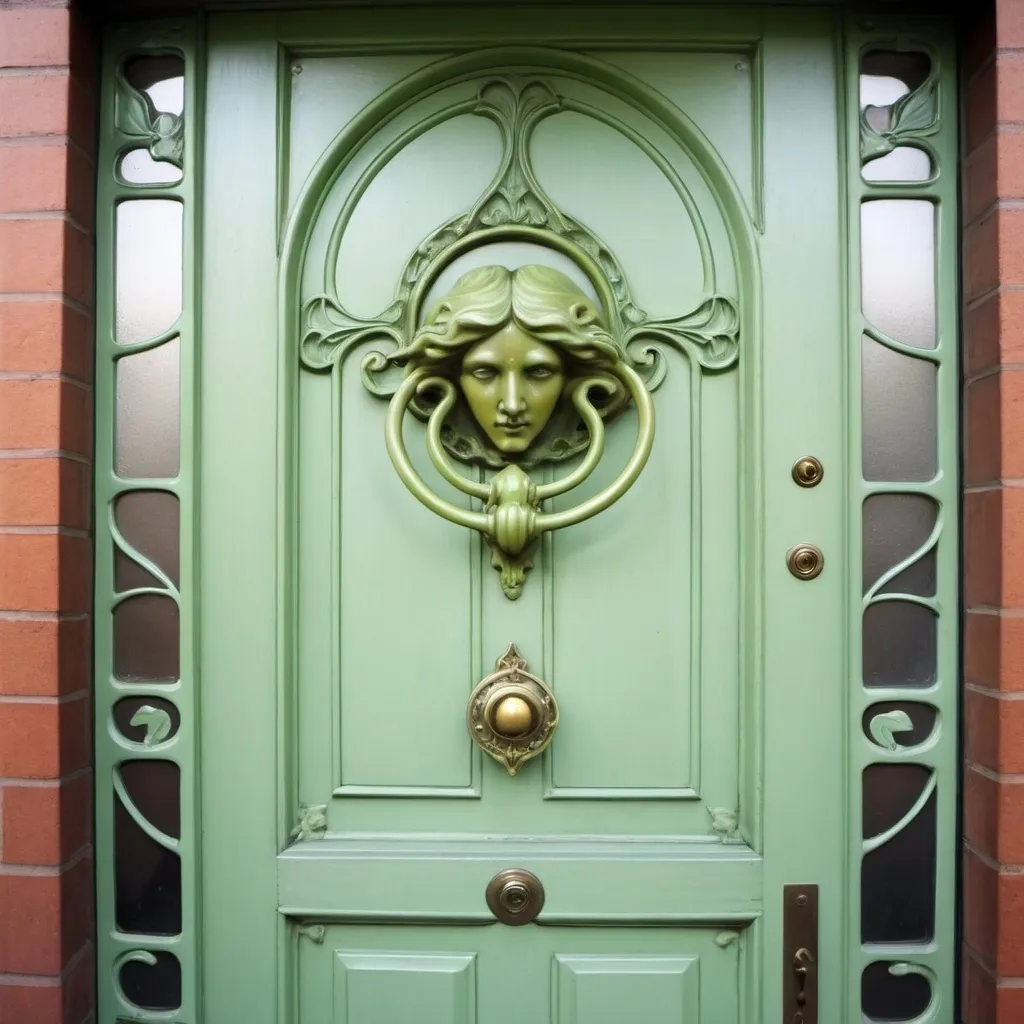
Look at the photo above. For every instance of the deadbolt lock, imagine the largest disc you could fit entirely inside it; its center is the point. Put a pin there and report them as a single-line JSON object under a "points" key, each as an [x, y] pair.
{"points": [[808, 471], [805, 561], [515, 896]]}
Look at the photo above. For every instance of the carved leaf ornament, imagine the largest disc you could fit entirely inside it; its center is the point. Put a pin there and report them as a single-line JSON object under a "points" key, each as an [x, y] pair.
{"points": [[619, 346], [135, 116]]}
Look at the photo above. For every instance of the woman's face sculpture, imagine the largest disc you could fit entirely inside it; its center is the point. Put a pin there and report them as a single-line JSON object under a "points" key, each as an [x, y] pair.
{"points": [[512, 383]]}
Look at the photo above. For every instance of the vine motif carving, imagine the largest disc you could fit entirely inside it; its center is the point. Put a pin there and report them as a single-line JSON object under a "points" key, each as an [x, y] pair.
{"points": [[515, 200], [912, 118], [312, 823], [883, 728], [157, 723], [135, 116]]}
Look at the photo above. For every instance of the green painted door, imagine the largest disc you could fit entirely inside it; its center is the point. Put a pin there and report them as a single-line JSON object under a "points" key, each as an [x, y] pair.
{"points": [[691, 169]]}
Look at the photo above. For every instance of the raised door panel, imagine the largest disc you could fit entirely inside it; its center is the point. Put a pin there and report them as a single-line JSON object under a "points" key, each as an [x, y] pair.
{"points": [[400, 612]]}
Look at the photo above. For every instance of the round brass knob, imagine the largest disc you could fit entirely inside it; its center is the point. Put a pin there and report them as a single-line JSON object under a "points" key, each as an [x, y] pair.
{"points": [[808, 471], [515, 896], [805, 561], [512, 717]]}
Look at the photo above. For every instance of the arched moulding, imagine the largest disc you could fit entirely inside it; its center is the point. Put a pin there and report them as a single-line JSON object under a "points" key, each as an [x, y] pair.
{"points": [[515, 207], [147, 983], [899, 992]]}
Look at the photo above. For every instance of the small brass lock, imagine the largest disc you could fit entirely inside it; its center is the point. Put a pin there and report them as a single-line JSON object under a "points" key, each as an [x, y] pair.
{"points": [[808, 471], [515, 896], [805, 561]]}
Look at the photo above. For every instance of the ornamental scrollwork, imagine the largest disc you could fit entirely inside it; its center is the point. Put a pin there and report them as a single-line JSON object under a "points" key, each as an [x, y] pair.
{"points": [[516, 368], [163, 134]]}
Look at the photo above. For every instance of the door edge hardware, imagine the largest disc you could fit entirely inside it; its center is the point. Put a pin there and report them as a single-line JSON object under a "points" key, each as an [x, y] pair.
{"points": [[808, 471], [515, 896], [512, 715], [800, 954], [805, 561]]}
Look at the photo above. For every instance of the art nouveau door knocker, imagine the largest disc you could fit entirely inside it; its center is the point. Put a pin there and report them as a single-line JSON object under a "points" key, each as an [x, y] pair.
{"points": [[525, 353]]}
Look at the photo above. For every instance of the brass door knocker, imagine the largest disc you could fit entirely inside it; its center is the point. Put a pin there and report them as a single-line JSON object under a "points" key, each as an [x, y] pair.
{"points": [[522, 351]]}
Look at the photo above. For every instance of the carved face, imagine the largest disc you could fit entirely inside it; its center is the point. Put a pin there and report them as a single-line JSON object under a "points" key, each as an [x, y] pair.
{"points": [[512, 383]]}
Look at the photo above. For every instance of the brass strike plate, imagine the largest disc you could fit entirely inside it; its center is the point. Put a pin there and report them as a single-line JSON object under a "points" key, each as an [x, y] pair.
{"points": [[800, 954]]}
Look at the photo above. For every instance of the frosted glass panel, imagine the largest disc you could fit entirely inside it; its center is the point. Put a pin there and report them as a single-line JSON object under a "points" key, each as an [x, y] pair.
{"points": [[905, 163], [148, 268], [887, 76], [161, 78], [147, 413], [898, 269], [900, 434], [139, 168]]}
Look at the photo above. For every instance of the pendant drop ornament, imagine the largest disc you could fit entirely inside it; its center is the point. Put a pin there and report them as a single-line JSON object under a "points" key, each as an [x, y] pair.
{"points": [[512, 715]]}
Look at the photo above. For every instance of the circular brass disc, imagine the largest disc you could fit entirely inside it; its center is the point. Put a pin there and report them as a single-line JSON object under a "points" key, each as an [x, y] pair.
{"points": [[515, 896], [808, 471], [805, 561]]}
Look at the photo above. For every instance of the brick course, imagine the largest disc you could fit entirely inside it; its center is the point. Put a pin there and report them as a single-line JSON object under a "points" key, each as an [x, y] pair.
{"points": [[47, 129]]}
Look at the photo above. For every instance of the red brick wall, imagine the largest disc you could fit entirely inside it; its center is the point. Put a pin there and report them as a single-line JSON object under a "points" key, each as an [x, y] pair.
{"points": [[993, 886], [47, 128]]}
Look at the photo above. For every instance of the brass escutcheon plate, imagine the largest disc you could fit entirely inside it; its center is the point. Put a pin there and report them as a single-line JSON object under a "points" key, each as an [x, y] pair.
{"points": [[512, 715], [515, 896], [805, 561], [808, 471]]}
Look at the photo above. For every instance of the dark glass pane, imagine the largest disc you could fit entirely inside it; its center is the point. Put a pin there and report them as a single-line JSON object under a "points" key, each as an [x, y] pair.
{"points": [[146, 639], [900, 433], [895, 526], [153, 988], [153, 788], [899, 645], [147, 878], [922, 721], [148, 413], [148, 520], [125, 710], [888, 997], [898, 878]]}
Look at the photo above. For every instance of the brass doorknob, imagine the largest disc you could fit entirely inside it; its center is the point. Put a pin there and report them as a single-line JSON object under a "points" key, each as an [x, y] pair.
{"points": [[515, 896], [512, 714]]}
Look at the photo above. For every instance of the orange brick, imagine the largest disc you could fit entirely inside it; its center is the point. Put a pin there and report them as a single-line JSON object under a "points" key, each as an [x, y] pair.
{"points": [[978, 993], [994, 732], [1010, 85], [34, 105], [43, 740], [994, 651], [980, 106], [983, 548], [45, 256], [46, 920], [982, 256], [45, 825], [33, 178], [1012, 523], [44, 492], [34, 38], [41, 1001], [45, 572], [1009, 1005], [980, 886], [44, 657], [41, 335], [1010, 26], [983, 427], [45, 415]]}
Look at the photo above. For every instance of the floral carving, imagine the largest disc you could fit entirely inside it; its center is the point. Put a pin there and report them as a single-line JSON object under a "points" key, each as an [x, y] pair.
{"points": [[883, 727], [135, 116], [156, 721], [912, 118], [312, 823]]}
